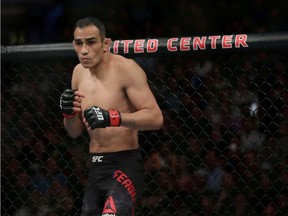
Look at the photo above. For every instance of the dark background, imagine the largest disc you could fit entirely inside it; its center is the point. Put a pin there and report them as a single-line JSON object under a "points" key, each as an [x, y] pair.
{"points": [[212, 157], [51, 21]]}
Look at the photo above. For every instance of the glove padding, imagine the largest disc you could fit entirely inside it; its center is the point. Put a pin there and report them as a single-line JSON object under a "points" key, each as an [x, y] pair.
{"points": [[66, 103], [100, 118]]}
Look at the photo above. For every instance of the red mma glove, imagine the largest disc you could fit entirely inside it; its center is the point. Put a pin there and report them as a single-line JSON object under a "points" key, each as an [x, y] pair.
{"points": [[97, 117]]}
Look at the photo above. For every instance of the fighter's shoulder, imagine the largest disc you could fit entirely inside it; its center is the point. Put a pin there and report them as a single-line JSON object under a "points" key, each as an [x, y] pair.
{"points": [[129, 71], [78, 71], [78, 67], [126, 64]]}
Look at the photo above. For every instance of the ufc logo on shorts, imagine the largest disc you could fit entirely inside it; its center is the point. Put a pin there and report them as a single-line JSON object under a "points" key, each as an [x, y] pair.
{"points": [[98, 113], [97, 159]]}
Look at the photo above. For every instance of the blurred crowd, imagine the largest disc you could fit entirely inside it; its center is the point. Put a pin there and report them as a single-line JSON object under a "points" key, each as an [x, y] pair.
{"points": [[51, 21], [223, 149], [224, 146], [43, 170]]}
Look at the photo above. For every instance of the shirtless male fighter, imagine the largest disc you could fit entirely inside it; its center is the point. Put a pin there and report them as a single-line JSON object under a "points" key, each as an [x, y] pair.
{"points": [[109, 97]]}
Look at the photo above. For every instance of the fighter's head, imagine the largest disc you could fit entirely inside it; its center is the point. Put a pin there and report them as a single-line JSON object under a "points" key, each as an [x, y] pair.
{"points": [[87, 21]]}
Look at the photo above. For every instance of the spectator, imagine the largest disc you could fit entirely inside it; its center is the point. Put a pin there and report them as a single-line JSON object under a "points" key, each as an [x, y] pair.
{"points": [[214, 172]]}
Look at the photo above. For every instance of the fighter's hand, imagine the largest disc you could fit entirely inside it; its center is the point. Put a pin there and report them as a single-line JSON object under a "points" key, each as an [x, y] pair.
{"points": [[96, 117], [70, 103]]}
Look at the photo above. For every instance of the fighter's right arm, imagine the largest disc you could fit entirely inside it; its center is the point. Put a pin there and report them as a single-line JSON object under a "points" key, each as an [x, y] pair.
{"points": [[70, 105], [73, 122], [74, 126]]}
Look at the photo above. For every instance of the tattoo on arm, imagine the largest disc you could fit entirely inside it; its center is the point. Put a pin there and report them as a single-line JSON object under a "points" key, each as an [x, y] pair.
{"points": [[131, 124]]}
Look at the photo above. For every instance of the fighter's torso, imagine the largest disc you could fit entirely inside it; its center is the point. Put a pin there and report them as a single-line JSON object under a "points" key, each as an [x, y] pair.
{"points": [[107, 91]]}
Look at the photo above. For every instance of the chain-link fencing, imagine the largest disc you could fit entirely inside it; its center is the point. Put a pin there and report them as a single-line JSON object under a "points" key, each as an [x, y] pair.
{"points": [[223, 149]]}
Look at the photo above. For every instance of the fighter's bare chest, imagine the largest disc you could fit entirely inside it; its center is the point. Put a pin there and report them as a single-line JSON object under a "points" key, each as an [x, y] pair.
{"points": [[101, 93]]}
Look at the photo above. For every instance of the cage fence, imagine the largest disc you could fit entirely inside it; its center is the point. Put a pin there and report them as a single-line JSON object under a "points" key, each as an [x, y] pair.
{"points": [[223, 149]]}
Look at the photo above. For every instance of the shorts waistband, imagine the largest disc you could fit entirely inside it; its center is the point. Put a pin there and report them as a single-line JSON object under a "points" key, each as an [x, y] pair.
{"points": [[110, 157]]}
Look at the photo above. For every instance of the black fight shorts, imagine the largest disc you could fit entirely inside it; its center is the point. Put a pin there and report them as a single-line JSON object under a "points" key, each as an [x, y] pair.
{"points": [[114, 183]]}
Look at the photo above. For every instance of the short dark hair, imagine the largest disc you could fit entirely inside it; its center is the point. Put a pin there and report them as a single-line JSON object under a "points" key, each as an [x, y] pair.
{"points": [[87, 21]]}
